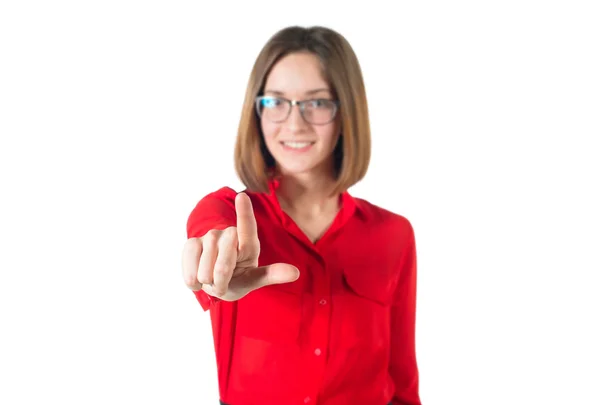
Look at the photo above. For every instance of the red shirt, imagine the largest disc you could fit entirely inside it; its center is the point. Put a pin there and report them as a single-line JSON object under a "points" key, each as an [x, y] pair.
{"points": [[343, 333]]}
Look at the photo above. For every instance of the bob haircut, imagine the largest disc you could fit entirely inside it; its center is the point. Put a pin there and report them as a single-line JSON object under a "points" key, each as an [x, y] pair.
{"points": [[253, 162]]}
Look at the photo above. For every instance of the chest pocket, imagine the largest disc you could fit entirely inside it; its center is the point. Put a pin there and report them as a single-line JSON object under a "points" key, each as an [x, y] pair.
{"points": [[370, 285], [364, 301]]}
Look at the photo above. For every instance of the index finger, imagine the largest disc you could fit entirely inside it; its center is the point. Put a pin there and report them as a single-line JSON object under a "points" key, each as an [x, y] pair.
{"points": [[246, 222]]}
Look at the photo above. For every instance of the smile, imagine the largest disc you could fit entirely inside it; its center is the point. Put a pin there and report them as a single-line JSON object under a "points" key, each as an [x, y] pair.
{"points": [[297, 145]]}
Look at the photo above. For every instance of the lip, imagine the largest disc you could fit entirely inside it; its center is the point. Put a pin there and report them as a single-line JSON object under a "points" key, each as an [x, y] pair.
{"points": [[297, 150], [295, 140]]}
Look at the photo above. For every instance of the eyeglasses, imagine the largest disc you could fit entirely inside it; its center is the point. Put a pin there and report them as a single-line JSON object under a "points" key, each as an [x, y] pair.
{"points": [[277, 109]]}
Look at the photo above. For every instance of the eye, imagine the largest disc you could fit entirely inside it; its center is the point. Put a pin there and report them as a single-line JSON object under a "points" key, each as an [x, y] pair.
{"points": [[270, 102], [319, 103]]}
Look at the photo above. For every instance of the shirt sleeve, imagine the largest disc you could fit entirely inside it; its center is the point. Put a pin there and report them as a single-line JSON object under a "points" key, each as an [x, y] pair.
{"points": [[403, 362], [214, 211]]}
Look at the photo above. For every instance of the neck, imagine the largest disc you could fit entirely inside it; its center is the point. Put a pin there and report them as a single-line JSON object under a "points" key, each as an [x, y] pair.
{"points": [[307, 195]]}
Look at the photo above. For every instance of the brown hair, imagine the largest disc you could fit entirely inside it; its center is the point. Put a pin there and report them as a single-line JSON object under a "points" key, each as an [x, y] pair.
{"points": [[253, 162]]}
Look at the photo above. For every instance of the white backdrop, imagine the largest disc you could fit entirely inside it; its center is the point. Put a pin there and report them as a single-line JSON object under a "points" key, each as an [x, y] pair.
{"points": [[116, 117]]}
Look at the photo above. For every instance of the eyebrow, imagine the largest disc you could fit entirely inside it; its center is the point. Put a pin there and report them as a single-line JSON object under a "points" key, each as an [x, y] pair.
{"points": [[279, 93]]}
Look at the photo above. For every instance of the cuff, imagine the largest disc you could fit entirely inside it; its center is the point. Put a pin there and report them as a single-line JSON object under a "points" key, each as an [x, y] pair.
{"points": [[205, 300]]}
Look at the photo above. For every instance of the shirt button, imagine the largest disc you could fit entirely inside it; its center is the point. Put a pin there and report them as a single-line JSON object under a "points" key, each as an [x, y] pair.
{"points": [[317, 352], [323, 302], [306, 400]]}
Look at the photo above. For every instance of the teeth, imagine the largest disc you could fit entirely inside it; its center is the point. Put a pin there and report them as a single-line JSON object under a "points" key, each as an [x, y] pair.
{"points": [[297, 145]]}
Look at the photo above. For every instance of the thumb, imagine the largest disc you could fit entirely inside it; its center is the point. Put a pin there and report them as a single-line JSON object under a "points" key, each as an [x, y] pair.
{"points": [[277, 273]]}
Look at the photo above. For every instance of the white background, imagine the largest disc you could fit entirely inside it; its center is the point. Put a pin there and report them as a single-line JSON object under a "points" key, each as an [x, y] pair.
{"points": [[116, 117]]}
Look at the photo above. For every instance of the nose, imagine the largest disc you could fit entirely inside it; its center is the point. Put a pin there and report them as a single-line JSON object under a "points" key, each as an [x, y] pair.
{"points": [[295, 121]]}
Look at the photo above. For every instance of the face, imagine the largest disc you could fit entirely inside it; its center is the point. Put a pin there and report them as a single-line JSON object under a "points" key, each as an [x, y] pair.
{"points": [[298, 146]]}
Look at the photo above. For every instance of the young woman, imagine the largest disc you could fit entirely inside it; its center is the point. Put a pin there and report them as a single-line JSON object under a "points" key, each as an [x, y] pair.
{"points": [[311, 291]]}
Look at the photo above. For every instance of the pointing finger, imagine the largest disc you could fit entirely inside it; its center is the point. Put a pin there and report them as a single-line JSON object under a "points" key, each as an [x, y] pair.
{"points": [[246, 224]]}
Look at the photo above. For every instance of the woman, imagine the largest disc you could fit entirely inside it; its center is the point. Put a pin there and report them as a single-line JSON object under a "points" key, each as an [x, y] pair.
{"points": [[311, 291]]}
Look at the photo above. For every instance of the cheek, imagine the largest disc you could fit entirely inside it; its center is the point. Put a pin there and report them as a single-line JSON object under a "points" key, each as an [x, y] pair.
{"points": [[270, 132], [329, 138]]}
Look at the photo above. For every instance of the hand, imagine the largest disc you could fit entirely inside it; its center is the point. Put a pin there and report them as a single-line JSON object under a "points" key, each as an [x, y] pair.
{"points": [[225, 263]]}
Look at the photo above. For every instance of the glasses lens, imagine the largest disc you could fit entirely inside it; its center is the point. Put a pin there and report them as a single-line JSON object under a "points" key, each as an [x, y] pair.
{"points": [[273, 108], [319, 111]]}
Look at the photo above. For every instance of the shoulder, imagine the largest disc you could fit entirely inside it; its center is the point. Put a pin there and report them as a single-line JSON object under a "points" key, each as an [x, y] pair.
{"points": [[225, 194], [214, 210], [378, 217], [222, 201]]}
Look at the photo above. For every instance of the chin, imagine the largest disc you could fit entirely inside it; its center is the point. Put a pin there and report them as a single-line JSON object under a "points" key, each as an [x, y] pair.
{"points": [[300, 168], [296, 170]]}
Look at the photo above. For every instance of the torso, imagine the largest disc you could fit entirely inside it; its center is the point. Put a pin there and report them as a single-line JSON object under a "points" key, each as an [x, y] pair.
{"points": [[314, 228], [330, 330]]}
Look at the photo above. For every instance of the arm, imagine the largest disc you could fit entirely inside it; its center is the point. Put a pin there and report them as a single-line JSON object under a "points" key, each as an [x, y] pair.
{"points": [[403, 362], [214, 211]]}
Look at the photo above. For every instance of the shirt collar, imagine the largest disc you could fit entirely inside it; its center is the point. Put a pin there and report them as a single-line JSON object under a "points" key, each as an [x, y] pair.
{"points": [[348, 203]]}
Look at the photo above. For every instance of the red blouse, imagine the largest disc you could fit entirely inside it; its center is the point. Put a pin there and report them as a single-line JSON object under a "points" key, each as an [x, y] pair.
{"points": [[343, 333]]}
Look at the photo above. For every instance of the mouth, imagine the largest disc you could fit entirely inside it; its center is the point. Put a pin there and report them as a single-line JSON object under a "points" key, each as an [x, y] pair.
{"points": [[297, 146]]}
